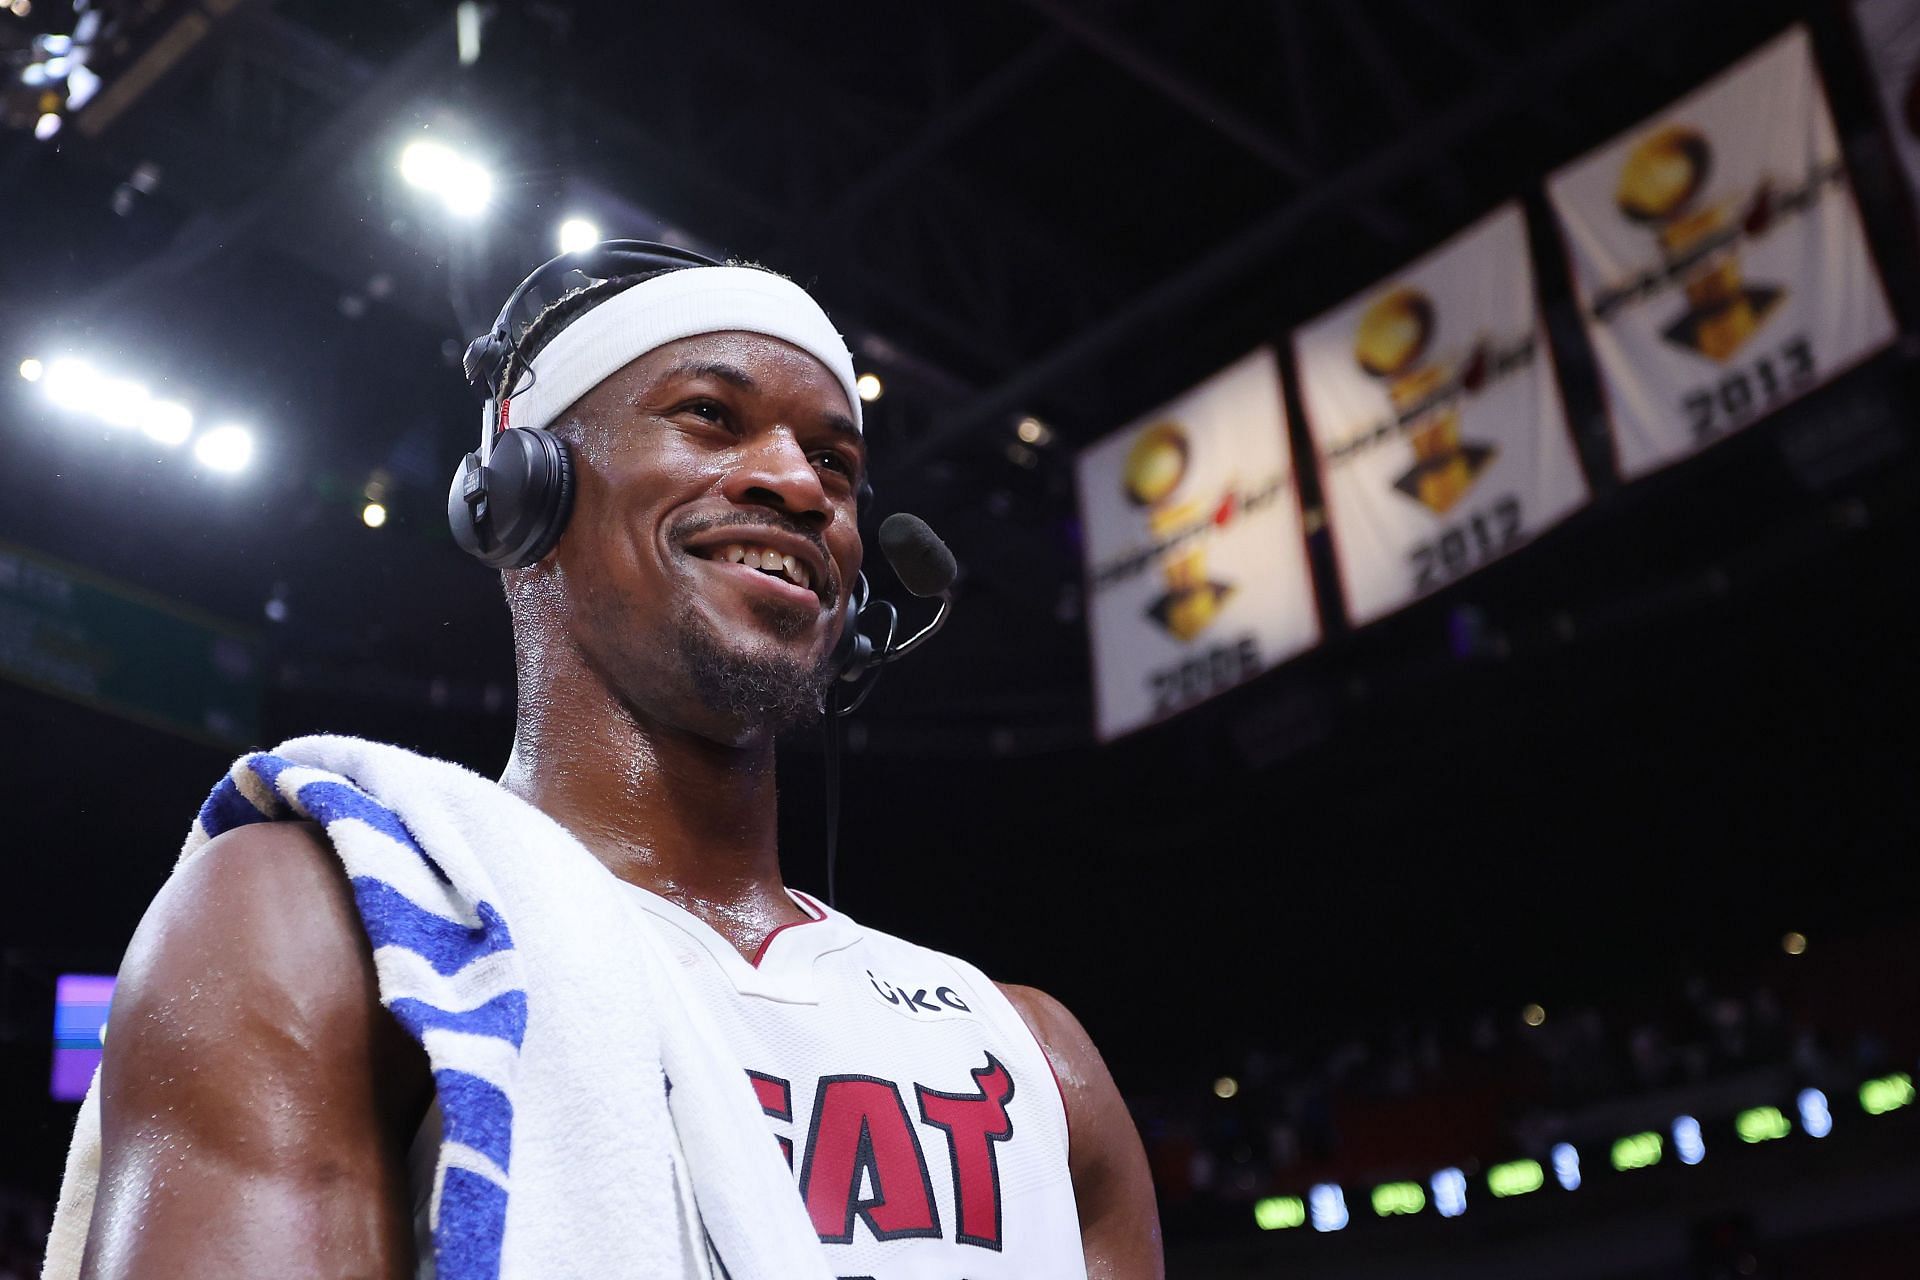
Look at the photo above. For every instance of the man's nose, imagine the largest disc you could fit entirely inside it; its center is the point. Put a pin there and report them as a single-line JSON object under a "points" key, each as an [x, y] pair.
{"points": [[776, 472]]}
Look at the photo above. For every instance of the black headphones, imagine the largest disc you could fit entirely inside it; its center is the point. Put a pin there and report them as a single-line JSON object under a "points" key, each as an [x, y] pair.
{"points": [[511, 497]]}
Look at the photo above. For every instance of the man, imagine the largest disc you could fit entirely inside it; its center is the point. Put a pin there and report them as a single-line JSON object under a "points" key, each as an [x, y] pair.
{"points": [[258, 1104]]}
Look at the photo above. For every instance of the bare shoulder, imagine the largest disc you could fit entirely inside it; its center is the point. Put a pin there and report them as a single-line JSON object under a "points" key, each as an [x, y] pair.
{"points": [[1119, 1221], [256, 930], [251, 1075], [252, 951], [1076, 1060]]}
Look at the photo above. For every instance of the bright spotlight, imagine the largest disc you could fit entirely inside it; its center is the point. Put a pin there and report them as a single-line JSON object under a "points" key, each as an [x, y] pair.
{"points": [[868, 385], [167, 421], [373, 515], [122, 402], [46, 126], [72, 384], [1033, 431], [225, 448], [463, 186], [31, 369], [1225, 1087], [576, 234]]}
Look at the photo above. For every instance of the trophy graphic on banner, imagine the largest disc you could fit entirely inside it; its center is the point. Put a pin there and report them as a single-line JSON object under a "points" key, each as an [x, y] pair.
{"points": [[1391, 337], [1658, 187], [1155, 466]]}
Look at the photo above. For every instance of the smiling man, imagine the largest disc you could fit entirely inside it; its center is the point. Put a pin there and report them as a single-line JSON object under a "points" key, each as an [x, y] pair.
{"points": [[683, 601]]}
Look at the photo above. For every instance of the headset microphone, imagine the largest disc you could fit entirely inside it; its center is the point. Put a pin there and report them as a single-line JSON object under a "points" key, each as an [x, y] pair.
{"points": [[925, 567]]}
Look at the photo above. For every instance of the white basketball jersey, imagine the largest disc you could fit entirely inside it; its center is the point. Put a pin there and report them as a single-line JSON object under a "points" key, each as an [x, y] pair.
{"points": [[924, 1126]]}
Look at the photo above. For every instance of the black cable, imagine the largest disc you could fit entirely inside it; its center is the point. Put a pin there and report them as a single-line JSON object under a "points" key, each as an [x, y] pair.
{"points": [[831, 726]]}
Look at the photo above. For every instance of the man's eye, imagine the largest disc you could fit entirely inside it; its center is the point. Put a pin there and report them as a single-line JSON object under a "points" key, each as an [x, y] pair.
{"points": [[710, 410], [837, 462]]}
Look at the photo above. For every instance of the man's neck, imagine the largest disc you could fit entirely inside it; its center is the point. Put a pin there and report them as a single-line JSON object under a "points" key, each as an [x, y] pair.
{"points": [[665, 809]]}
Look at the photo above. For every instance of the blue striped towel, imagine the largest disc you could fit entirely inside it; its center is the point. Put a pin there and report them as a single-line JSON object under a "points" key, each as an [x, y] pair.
{"points": [[550, 1021]]}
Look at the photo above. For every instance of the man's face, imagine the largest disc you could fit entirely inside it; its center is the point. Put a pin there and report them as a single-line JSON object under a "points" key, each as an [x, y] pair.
{"points": [[693, 463]]}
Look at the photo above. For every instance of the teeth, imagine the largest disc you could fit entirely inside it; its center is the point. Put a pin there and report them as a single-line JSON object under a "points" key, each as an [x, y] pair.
{"points": [[768, 560]]}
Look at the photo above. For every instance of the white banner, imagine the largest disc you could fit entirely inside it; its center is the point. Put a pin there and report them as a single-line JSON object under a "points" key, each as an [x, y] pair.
{"points": [[1890, 33], [1719, 259], [1197, 575], [1437, 420]]}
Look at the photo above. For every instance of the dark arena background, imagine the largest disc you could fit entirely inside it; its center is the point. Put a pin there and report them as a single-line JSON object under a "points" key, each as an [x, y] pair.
{"points": [[1560, 922]]}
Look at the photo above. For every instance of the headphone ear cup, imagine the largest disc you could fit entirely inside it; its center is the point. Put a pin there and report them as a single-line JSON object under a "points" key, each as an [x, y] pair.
{"points": [[528, 495]]}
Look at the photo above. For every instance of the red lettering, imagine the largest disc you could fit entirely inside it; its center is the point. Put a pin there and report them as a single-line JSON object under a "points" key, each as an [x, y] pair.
{"points": [[862, 1136], [974, 1123]]}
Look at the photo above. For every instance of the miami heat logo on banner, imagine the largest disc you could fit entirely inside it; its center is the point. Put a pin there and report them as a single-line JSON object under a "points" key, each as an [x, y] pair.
{"points": [[1436, 419], [1719, 258], [1197, 572]]}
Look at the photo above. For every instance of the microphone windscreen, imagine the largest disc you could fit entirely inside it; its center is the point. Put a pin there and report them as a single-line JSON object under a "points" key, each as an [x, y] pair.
{"points": [[920, 560]]}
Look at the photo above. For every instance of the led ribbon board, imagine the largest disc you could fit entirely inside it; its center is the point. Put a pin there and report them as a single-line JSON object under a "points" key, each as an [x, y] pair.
{"points": [[1196, 566], [1719, 258], [1436, 419]]}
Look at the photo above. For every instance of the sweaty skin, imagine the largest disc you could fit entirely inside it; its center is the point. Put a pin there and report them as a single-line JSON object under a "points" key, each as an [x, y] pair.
{"points": [[258, 1102]]}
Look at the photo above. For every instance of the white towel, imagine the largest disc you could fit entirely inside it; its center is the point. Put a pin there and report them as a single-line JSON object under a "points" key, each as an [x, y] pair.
{"points": [[551, 1020]]}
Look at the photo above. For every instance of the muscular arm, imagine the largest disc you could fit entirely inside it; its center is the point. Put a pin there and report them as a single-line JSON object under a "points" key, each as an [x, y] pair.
{"points": [[1119, 1221], [256, 1099]]}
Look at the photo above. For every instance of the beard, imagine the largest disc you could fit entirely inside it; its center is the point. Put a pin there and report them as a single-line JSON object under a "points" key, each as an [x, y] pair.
{"points": [[764, 690]]}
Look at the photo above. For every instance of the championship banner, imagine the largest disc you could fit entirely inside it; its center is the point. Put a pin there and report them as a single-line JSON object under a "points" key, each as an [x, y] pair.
{"points": [[1719, 258], [1437, 420], [1197, 575], [1890, 33]]}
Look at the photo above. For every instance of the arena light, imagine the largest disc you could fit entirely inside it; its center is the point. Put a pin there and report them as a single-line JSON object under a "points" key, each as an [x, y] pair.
{"points": [[31, 369], [72, 384], [228, 448], [1566, 1165], [167, 421], [373, 515], [1816, 1117], [576, 234], [1398, 1199], [121, 402], [870, 387], [1515, 1178], [1279, 1213], [1688, 1144], [1225, 1087], [1794, 944], [1636, 1151], [1033, 431], [1449, 1193], [1761, 1124], [1327, 1206], [465, 187], [1888, 1093], [47, 126]]}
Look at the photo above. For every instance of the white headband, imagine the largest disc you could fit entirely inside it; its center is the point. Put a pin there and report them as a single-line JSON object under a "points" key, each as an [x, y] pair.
{"points": [[664, 309]]}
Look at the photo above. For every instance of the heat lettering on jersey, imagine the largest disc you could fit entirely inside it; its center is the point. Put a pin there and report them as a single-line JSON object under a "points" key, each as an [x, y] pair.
{"points": [[861, 1136], [864, 1161], [975, 1124]]}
